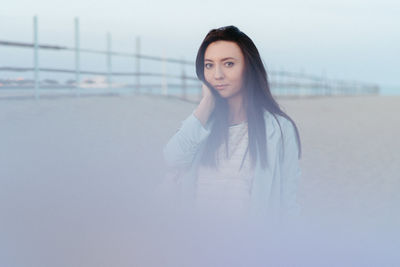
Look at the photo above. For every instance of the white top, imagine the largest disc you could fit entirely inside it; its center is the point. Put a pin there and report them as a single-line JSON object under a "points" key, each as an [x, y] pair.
{"points": [[274, 189], [227, 189]]}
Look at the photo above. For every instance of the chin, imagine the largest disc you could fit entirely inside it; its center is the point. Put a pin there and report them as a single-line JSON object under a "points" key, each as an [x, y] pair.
{"points": [[227, 95], [224, 94]]}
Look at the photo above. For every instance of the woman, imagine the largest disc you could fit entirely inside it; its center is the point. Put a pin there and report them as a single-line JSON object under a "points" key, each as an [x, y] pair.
{"points": [[237, 151]]}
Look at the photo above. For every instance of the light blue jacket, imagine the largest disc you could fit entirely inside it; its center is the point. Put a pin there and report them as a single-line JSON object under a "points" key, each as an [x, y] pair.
{"points": [[274, 189]]}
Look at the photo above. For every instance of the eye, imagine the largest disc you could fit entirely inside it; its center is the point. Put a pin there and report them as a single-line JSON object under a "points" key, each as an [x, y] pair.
{"points": [[205, 65], [231, 64]]}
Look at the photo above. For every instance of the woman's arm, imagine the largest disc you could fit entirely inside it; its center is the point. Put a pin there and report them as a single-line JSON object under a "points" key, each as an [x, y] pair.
{"points": [[182, 147], [290, 172]]}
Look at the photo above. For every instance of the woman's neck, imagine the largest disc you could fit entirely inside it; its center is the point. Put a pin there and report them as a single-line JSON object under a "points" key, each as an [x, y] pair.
{"points": [[237, 111]]}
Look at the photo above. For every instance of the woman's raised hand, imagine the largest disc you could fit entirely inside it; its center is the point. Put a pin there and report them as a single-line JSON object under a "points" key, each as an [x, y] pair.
{"points": [[208, 95], [205, 91], [206, 105]]}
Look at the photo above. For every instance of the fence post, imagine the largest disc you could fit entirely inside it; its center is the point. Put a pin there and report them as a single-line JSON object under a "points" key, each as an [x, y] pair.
{"points": [[138, 64], [300, 88], [281, 81], [164, 84], [36, 55], [323, 83], [109, 67], [77, 59], [271, 76], [183, 80]]}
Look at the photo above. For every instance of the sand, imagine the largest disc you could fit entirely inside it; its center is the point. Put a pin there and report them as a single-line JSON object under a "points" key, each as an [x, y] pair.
{"points": [[74, 171]]}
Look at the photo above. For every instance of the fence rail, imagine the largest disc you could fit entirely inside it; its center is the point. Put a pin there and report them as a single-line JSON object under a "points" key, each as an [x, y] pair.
{"points": [[282, 82]]}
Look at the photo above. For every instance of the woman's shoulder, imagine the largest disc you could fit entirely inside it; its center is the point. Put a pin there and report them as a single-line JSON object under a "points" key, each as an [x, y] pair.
{"points": [[285, 127], [277, 121]]}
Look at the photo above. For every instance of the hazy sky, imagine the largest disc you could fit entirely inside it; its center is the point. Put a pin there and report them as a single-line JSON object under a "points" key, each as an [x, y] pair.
{"points": [[353, 39]]}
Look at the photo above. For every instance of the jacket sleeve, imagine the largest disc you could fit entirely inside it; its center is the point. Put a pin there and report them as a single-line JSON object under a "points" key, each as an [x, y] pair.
{"points": [[290, 172], [183, 145]]}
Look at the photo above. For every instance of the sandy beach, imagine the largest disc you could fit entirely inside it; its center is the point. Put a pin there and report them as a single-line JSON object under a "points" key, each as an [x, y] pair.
{"points": [[72, 168]]}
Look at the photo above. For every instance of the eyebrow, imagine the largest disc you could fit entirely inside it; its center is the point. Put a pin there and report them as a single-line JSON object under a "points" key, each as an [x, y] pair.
{"points": [[221, 59]]}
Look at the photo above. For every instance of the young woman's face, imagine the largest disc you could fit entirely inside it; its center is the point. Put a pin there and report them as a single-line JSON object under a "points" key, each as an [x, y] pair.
{"points": [[224, 65]]}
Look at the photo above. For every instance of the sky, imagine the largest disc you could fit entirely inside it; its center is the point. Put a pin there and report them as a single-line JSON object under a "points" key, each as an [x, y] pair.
{"points": [[351, 40]]}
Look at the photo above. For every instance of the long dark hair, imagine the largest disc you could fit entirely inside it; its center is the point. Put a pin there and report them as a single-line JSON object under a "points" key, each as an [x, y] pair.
{"points": [[257, 98]]}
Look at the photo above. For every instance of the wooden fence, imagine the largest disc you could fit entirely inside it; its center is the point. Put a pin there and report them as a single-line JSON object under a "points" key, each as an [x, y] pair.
{"points": [[283, 83]]}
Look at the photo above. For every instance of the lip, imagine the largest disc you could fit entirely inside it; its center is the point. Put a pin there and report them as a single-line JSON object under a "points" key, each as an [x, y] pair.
{"points": [[220, 86]]}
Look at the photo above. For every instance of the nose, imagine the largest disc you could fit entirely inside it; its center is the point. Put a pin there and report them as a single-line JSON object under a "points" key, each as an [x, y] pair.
{"points": [[218, 73]]}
